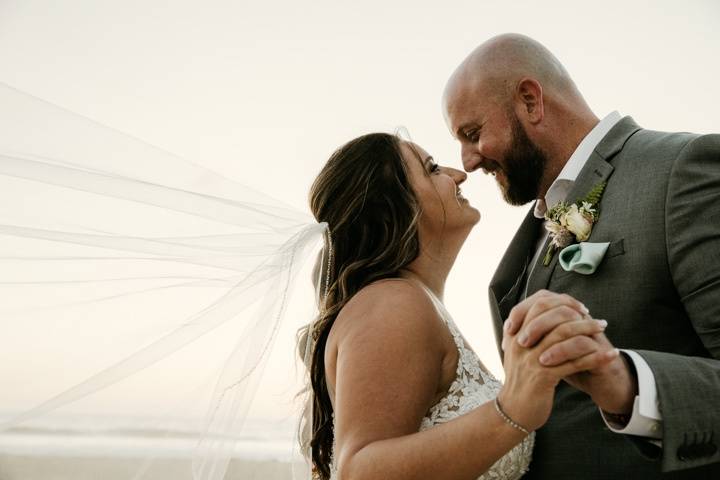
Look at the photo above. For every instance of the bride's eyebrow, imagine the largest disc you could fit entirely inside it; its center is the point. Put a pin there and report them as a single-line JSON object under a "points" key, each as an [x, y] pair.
{"points": [[427, 162]]}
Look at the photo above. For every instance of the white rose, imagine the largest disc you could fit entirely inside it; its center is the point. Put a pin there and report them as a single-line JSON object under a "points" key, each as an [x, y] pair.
{"points": [[577, 223]]}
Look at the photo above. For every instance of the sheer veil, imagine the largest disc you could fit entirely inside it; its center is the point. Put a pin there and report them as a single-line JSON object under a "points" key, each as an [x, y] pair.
{"points": [[125, 269]]}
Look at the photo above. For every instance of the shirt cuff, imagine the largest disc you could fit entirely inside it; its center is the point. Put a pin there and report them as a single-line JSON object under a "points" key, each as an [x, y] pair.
{"points": [[645, 419]]}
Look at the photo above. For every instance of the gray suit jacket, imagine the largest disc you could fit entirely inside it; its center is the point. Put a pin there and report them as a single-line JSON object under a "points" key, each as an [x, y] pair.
{"points": [[658, 287]]}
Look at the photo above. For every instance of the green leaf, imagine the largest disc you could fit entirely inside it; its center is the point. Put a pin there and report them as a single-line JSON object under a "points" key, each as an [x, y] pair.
{"points": [[556, 212], [595, 194], [549, 254]]}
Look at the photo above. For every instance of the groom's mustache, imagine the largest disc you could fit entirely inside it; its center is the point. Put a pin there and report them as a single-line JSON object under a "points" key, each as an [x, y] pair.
{"points": [[489, 167]]}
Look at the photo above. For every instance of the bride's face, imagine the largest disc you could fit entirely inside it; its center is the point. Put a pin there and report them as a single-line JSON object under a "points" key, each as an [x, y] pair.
{"points": [[438, 191]]}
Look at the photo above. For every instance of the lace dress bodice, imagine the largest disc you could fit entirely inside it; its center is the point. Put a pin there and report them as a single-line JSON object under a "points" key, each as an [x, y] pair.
{"points": [[472, 387]]}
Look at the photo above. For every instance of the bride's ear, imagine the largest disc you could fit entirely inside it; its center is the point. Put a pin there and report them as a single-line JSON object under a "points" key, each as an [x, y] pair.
{"points": [[529, 101]]}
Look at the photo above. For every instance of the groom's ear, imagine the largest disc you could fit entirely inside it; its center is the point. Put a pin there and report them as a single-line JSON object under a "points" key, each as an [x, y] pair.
{"points": [[529, 100]]}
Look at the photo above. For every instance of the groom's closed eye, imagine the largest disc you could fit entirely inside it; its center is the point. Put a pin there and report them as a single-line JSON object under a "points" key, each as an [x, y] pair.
{"points": [[472, 135]]}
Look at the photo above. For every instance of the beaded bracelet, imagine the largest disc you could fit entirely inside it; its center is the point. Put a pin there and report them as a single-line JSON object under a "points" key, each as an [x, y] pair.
{"points": [[508, 419]]}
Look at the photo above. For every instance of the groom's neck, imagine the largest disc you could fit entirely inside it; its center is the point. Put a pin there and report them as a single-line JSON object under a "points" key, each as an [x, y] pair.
{"points": [[570, 129]]}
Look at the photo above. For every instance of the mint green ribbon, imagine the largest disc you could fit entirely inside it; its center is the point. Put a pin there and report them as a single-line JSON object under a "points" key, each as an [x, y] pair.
{"points": [[582, 258]]}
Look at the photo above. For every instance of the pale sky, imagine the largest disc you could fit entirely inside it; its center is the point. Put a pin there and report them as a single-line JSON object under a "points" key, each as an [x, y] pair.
{"points": [[263, 92]]}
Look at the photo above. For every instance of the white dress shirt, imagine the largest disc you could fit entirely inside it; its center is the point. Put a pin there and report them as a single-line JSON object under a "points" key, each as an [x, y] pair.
{"points": [[645, 420]]}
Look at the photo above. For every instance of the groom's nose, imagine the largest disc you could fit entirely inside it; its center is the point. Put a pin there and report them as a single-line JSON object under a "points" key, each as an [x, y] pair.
{"points": [[471, 160]]}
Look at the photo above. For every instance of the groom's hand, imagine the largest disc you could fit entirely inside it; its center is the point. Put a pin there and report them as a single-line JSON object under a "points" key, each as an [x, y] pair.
{"points": [[613, 387]]}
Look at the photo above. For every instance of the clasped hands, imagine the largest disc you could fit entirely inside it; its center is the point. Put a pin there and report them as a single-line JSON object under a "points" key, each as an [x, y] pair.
{"points": [[550, 337]]}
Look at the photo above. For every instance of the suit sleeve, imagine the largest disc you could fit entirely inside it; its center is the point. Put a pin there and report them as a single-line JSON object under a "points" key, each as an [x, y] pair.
{"points": [[689, 387], [645, 419]]}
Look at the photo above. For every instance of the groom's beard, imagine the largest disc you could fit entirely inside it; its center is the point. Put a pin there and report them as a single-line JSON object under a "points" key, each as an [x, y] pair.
{"points": [[524, 167]]}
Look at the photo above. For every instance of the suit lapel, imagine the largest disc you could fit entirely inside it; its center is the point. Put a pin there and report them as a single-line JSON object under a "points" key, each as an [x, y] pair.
{"points": [[515, 256], [597, 169], [505, 283]]}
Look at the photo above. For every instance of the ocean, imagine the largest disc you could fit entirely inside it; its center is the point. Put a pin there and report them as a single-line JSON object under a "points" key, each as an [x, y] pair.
{"points": [[79, 448], [260, 439]]}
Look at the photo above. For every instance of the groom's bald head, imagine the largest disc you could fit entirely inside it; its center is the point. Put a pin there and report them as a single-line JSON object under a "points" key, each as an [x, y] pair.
{"points": [[517, 114], [496, 67]]}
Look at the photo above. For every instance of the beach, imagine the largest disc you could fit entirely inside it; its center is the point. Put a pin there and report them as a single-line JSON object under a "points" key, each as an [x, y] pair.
{"points": [[37, 467], [67, 449]]}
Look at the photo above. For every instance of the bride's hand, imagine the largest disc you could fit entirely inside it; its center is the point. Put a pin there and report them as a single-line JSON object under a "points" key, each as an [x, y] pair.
{"points": [[527, 395]]}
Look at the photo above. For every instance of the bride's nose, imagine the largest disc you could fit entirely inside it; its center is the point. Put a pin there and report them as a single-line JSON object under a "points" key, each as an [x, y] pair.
{"points": [[458, 175]]}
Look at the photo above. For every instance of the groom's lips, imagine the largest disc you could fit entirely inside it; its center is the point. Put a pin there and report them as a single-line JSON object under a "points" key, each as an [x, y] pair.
{"points": [[492, 172], [490, 167]]}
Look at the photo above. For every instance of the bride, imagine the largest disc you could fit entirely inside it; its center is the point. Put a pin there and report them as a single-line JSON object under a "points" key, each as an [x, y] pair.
{"points": [[396, 390]]}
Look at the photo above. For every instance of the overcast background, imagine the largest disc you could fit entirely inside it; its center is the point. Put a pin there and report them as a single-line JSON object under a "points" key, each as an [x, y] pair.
{"points": [[263, 92]]}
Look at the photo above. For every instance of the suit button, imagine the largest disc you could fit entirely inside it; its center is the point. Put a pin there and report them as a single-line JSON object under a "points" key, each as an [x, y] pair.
{"points": [[682, 453], [690, 452]]}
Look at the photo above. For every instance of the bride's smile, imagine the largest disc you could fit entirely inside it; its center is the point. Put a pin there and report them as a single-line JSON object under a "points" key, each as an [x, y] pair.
{"points": [[444, 209]]}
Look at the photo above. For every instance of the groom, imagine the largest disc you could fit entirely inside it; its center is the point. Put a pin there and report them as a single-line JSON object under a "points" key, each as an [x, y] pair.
{"points": [[655, 276]]}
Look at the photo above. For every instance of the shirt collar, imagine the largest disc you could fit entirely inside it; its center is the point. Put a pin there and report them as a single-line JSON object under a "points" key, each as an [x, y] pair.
{"points": [[566, 179]]}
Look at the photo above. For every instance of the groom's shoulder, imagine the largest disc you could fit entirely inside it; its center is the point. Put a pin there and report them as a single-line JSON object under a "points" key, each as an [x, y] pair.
{"points": [[657, 157], [656, 147], [662, 139], [657, 139], [703, 145], [671, 145]]}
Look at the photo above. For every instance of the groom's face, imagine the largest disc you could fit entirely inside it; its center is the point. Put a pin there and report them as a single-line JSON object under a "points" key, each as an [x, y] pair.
{"points": [[494, 140]]}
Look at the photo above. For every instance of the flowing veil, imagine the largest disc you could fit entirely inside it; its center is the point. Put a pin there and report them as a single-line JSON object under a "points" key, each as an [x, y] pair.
{"points": [[136, 284]]}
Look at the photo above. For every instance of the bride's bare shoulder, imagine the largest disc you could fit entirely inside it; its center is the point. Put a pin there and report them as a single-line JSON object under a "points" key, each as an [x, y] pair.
{"points": [[384, 327], [392, 303]]}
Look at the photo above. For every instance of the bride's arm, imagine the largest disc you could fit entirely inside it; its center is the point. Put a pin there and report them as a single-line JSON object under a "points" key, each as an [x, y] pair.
{"points": [[386, 373]]}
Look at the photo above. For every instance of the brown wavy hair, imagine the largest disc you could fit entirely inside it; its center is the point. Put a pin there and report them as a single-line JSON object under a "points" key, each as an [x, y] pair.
{"points": [[364, 194]]}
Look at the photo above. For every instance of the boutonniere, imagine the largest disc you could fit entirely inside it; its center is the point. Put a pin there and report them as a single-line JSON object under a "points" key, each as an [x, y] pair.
{"points": [[570, 223]]}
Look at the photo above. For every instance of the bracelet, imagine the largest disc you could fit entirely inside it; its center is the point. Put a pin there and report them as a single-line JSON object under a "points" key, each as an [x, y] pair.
{"points": [[508, 419]]}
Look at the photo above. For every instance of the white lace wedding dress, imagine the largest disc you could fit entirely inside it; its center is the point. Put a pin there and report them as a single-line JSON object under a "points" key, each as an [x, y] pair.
{"points": [[473, 386]]}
